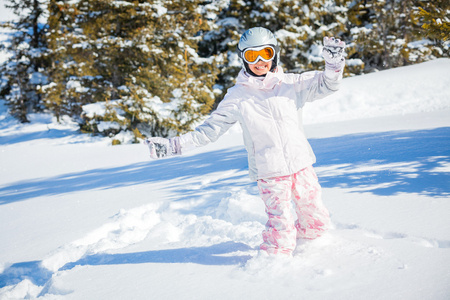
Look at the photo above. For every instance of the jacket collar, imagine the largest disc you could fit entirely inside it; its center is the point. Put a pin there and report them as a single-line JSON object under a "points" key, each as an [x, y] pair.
{"points": [[267, 82]]}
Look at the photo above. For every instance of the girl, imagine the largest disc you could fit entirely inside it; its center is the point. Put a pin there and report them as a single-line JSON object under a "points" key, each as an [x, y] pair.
{"points": [[268, 103]]}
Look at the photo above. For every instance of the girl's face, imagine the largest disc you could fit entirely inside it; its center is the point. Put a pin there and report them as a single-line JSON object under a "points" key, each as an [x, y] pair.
{"points": [[261, 67]]}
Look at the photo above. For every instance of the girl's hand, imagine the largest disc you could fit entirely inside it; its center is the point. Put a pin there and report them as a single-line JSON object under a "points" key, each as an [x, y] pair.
{"points": [[161, 147], [333, 53]]}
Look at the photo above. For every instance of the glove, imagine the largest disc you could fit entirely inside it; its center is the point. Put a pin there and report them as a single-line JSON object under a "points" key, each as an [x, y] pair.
{"points": [[162, 147], [333, 53]]}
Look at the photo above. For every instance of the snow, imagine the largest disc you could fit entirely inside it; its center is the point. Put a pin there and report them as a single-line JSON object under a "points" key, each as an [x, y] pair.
{"points": [[94, 109], [80, 219], [412, 89], [106, 125], [354, 62], [6, 14]]}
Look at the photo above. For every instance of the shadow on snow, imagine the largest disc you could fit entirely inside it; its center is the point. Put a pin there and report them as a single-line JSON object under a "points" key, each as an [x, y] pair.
{"points": [[387, 163], [212, 255], [384, 163], [220, 254], [130, 175], [31, 270], [47, 134]]}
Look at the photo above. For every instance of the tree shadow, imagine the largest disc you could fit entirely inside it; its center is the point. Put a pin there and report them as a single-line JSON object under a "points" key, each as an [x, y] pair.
{"points": [[31, 270], [212, 255], [387, 163], [220, 254], [130, 175], [52, 133]]}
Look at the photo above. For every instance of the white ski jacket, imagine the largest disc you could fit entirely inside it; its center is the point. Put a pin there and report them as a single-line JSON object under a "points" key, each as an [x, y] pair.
{"points": [[269, 111]]}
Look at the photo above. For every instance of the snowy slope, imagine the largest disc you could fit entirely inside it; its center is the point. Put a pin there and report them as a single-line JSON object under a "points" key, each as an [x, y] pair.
{"points": [[80, 219]]}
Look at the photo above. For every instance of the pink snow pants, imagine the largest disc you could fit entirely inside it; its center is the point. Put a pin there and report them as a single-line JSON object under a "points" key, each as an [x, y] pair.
{"points": [[282, 228]]}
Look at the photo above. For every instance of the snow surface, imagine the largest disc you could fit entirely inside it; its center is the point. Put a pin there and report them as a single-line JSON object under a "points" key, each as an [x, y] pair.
{"points": [[80, 219]]}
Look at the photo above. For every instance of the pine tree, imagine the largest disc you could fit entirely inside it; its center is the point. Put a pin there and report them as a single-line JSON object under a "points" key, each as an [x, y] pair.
{"points": [[372, 35], [434, 20], [23, 72], [387, 34], [60, 95], [154, 67], [138, 61], [220, 41], [302, 27]]}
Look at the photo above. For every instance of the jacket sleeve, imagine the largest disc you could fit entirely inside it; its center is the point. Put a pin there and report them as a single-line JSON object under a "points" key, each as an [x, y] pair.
{"points": [[315, 85], [214, 126]]}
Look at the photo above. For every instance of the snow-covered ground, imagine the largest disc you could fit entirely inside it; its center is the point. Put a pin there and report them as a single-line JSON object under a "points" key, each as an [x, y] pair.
{"points": [[80, 219]]}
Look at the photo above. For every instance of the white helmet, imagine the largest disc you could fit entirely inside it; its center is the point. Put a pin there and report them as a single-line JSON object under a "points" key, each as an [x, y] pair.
{"points": [[255, 37]]}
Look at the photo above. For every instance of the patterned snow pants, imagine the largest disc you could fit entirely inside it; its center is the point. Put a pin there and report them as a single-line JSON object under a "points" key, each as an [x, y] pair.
{"points": [[278, 193]]}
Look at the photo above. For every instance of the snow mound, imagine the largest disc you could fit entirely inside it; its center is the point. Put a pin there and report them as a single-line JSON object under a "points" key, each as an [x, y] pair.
{"points": [[407, 90]]}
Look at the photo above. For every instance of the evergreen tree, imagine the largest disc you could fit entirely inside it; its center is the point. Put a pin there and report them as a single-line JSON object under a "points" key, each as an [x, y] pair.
{"points": [[220, 41], [434, 19], [302, 27], [155, 67], [22, 73], [60, 94], [135, 59], [387, 33]]}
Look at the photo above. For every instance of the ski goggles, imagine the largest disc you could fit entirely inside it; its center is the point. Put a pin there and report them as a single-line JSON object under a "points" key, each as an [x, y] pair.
{"points": [[264, 53]]}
